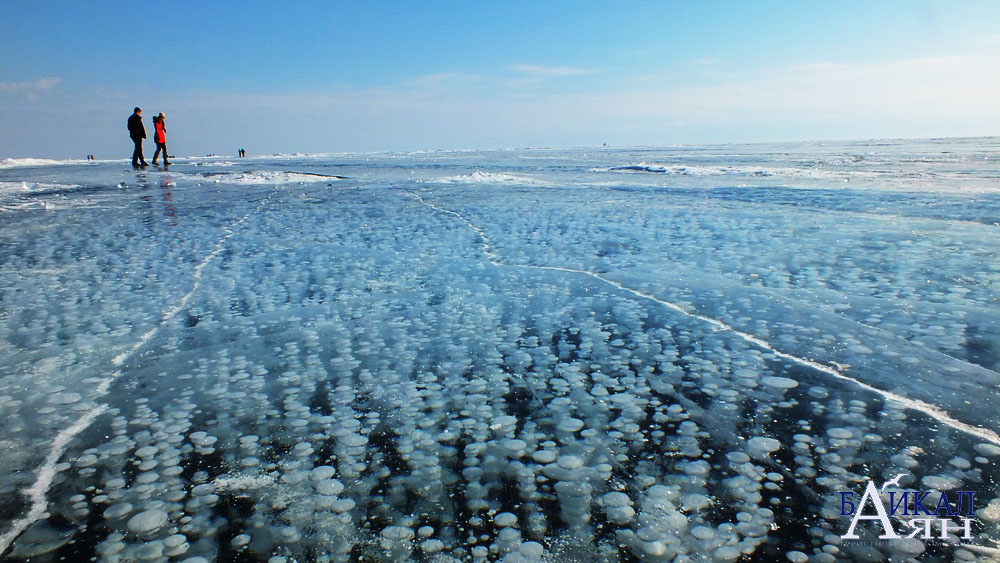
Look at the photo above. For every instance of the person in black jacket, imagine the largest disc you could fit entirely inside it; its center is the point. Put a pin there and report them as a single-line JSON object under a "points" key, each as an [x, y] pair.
{"points": [[137, 132]]}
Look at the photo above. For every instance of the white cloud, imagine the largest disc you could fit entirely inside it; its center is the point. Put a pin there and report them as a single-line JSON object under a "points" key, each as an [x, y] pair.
{"points": [[29, 89], [537, 71]]}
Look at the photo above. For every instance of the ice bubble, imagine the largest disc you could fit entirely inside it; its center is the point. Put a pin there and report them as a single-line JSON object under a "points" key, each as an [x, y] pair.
{"points": [[515, 445], [240, 541], [654, 548], [544, 456], [700, 467], [726, 553], [737, 457], [909, 547], [290, 478], [321, 473], [531, 549], [175, 545], [116, 511], [695, 501], [819, 392], [703, 533], [903, 460], [620, 514], [175, 540], [573, 489], [648, 534], [64, 398], [991, 512], [763, 445], [289, 534], [568, 461], [797, 557], [329, 487], [840, 433], [150, 551], [504, 420], [115, 484], [960, 462], [505, 519], [987, 449], [778, 382], [395, 537], [147, 521], [569, 425], [425, 531], [615, 499], [342, 505], [250, 462], [110, 546], [87, 460], [202, 490], [660, 493], [432, 546], [941, 482], [353, 441]]}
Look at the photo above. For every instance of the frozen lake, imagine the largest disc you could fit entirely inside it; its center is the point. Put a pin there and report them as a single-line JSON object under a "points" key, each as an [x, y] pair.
{"points": [[677, 354]]}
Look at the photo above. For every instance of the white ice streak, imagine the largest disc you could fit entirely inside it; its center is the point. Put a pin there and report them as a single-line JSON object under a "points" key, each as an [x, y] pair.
{"points": [[914, 404], [481, 177], [45, 475], [265, 177], [845, 174], [23, 162]]}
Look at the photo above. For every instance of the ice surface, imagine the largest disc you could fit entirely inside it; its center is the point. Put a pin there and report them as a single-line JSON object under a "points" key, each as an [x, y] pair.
{"points": [[627, 354]]}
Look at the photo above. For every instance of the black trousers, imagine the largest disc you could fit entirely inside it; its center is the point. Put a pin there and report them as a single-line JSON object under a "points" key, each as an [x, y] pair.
{"points": [[160, 147], [137, 157]]}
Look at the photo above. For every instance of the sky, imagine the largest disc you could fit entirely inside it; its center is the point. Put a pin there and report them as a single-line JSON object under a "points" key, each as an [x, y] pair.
{"points": [[319, 77]]}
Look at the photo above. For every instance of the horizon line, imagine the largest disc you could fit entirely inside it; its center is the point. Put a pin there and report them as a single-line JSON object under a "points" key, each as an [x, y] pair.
{"points": [[41, 161]]}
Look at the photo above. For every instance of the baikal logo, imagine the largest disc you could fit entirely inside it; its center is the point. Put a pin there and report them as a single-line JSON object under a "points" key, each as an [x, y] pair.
{"points": [[925, 515]]}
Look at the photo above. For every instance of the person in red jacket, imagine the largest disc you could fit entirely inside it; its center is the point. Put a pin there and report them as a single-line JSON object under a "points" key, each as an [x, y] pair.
{"points": [[160, 138]]}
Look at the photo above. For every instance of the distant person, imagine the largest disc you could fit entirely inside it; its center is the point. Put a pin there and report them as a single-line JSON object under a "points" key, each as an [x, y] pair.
{"points": [[137, 132], [242, 153], [160, 137]]}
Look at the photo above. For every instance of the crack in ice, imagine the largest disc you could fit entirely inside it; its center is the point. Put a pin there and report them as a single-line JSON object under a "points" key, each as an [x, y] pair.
{"points": [[47, 472], [928, 409]]}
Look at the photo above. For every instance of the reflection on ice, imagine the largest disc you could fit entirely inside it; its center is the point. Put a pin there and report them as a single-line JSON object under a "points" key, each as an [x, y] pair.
{"points": [[494, 356]]}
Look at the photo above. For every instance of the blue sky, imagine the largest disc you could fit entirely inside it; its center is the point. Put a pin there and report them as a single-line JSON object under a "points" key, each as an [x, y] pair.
{"points": [[359, 76]]}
